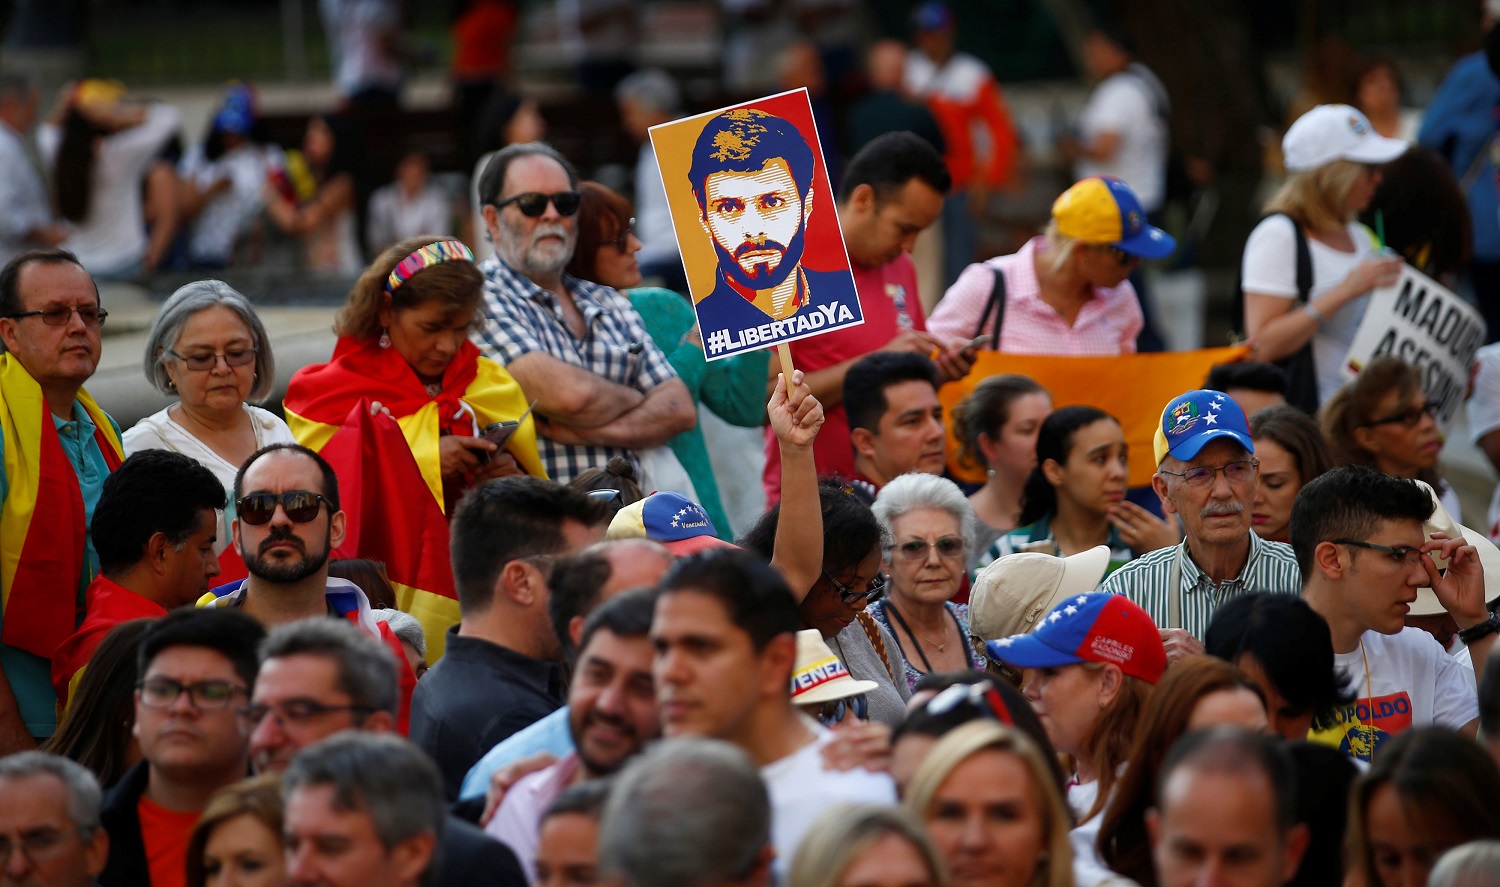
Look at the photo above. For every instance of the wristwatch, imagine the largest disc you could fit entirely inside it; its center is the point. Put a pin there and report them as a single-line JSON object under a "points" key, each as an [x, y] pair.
{"points": [[1482, 630]]}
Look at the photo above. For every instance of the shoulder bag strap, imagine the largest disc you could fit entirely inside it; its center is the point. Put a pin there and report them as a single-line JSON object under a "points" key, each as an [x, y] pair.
{"points": [[995, 304], [1304, 263], [872, 631]]}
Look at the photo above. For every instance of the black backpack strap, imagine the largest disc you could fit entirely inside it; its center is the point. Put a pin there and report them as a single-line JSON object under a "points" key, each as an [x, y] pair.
{"points": [[995, 304], [1304, 263]]}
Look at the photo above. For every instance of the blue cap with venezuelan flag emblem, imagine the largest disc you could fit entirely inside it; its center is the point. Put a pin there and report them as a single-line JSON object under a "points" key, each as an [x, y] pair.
{"points": [[1193, 419], [1103, 209]]}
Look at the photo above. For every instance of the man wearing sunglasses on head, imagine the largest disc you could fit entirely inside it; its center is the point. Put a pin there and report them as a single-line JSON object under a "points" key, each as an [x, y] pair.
{"points": [[288, 524], [58, 446], [602, 388], [1369, 544], [1206, 475], [196, 672]]}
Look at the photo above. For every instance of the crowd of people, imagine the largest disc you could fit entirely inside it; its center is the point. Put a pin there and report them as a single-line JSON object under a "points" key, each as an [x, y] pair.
{"points": [[469, 605]]}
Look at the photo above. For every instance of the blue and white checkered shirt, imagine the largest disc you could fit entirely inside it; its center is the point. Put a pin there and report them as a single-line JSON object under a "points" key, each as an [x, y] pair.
{"points": [[521, 317]]}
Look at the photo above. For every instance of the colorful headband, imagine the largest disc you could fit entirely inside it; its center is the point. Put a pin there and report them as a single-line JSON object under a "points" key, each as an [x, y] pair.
{"points": [[431, 254]]}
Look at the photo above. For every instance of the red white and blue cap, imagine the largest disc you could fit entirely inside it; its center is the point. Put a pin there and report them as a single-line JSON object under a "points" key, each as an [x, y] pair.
{"points": [[1103, 209], [1193, 419], [1104, 628]]}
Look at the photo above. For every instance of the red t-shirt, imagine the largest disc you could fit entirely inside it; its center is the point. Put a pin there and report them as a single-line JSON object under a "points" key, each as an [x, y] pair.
{"points": [[165, 834], [888, 298]]}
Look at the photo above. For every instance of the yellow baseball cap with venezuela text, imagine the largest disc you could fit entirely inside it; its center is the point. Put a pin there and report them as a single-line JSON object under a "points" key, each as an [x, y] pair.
{"points": [[1103, 209]]}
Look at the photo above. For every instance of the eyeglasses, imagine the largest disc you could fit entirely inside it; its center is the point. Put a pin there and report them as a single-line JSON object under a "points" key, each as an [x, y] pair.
{"points": [[296, 712], [1118, 254], [916, 549], [623, 239], [237, 357], [1409, 418], [607, 495], [851, 595], [37, 846], [833, 712], [1401, 554], [1237, 472], [300, 506], [533, 203], [205, 695], [980, 695], [61, 315]]}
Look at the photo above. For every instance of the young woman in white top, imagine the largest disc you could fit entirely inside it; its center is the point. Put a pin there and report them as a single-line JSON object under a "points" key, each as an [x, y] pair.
{"points": [[209, 348], [1333, 158]]}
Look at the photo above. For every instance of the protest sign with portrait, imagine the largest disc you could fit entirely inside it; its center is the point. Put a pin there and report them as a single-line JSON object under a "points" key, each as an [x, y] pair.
{"points": [[755, 219]]}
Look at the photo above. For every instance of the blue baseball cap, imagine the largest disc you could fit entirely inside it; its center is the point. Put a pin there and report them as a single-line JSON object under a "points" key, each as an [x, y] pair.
{"points": [[933, 16], [670, 518], [1104, 628], [1193, 419]]}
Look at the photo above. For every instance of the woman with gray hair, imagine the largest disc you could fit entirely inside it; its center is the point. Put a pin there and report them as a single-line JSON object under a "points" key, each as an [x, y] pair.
{"points": [[208, 347], [930, 526]]}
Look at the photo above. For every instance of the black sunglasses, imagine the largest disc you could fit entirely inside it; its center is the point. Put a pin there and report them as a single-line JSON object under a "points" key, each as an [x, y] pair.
{"points": [[300, 506], [851, 595], [980, 695], [533, 203], [1409, 418]]}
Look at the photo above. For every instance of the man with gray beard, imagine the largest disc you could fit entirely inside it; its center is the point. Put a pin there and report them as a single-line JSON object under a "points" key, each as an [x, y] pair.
{"points": [[1206, 475], [602, 388]]}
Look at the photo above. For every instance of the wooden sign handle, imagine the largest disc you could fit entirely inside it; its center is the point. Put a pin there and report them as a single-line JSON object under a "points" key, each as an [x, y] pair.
{"points": [[784, 354]]}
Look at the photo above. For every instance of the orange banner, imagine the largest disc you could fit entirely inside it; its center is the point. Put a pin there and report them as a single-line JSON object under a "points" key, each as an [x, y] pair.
{"points": [[1131, 387]]}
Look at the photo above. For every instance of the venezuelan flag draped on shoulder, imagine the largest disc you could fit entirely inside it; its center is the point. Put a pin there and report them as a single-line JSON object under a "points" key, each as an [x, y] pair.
{"points": [[390, 476], [42, 528]]}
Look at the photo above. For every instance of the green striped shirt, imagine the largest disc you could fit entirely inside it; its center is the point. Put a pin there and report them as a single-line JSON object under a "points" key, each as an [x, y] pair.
{"points": [[1272, 567]]}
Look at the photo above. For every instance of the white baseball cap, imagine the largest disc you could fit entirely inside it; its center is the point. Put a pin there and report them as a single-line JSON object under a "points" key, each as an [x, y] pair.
{"points": [[1336, 132]]}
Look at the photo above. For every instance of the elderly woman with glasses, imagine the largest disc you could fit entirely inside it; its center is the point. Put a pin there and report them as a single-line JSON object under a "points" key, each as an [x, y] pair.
{"points": [[1382, 419], [931, 526], [1068, 291], [208, 347]]}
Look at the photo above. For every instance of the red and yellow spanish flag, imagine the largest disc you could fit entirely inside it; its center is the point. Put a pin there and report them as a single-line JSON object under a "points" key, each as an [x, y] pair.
{"points": [[42, 525], [390, 477], [1131, 387]]}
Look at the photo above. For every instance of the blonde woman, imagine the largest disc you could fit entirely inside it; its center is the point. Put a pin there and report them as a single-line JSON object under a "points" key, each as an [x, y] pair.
{"points": [[237, 841], [1067, 292], [855, 845], [1333, 158], [974, 769]]}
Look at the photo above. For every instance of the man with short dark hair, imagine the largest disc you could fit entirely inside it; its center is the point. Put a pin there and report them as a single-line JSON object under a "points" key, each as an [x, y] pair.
{"points": [[725, 637], [895, 418], [1206, 475], [197, 669], [577, 585], [363, 810], [49, 811], [155, 528], [612, 714], [321, 677], [1361, 544], [1252, 385], [57, 447], [500, 672], [892, 190], [701, 798], [1226, 812], [602, 388]]}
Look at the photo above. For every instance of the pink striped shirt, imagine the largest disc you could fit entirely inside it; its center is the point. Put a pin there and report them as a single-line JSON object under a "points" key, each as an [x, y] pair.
{"points": [[1105, 326]]}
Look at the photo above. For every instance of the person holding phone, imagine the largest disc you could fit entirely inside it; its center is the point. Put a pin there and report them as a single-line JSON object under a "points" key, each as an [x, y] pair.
{"points": [[403, 345], [1067, 292]]}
